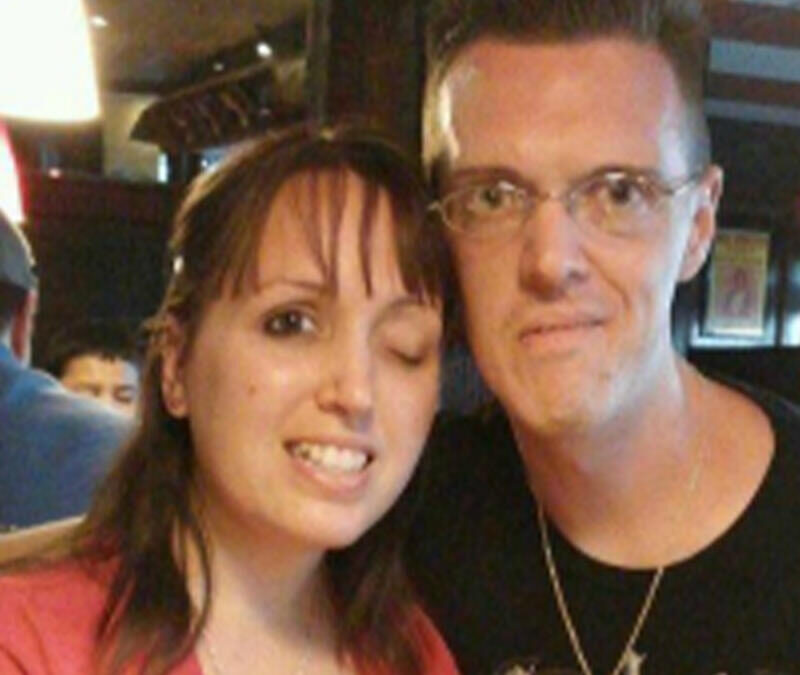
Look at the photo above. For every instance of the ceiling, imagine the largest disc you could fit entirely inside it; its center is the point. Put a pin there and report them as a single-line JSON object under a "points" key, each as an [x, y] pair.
{"points": [[755, 60], [157, 46]]}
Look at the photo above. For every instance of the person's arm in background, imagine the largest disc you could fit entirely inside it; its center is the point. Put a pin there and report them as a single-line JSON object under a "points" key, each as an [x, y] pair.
{"points": [[30, 540]]}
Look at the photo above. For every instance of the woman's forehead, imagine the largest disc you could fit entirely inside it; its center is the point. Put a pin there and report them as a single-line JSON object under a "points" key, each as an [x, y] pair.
{"points": [[320, 203], [321, 188], [320, 221]]}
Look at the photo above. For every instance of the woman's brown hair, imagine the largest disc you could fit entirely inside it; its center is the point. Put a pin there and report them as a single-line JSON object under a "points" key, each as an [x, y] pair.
{"points": [[146, 500]]}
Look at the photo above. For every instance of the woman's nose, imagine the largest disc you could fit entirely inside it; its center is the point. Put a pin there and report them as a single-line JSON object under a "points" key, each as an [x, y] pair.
{"points": [[347, 386]]}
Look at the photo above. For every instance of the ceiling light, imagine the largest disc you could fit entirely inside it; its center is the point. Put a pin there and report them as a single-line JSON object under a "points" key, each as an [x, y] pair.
{"points": [[218, 66], [263, 49], [98, 21], [46, 67], [10, 198]]}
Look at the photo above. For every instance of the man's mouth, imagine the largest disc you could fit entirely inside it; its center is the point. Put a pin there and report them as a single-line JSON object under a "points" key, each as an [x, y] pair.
{"points": [[560, 326], [331, 458]]}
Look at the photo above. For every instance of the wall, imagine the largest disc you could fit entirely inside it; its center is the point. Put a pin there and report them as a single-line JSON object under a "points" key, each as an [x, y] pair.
{"points": [[99, 246], [762, 188], [124, 158]]}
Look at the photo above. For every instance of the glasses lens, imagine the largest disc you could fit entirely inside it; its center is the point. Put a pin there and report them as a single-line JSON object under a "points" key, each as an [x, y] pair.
{"points": [[484, 209], [616, 202]]}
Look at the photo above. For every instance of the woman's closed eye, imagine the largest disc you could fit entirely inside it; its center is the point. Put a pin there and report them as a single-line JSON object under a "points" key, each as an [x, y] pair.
{"points": [[409, 356], [411, 346]]}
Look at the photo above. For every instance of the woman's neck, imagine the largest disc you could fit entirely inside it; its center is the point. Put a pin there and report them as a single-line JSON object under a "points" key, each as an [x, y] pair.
{"points": [[268, 610]]}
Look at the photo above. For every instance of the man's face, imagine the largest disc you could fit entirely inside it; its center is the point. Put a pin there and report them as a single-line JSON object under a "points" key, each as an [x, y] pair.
{"points": [[114, 382], [570, 326]]}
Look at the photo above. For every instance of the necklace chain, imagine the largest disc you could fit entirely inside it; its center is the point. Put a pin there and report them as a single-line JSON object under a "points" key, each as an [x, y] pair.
{"points": [[213, 658], [563, 609], [655, 582]]}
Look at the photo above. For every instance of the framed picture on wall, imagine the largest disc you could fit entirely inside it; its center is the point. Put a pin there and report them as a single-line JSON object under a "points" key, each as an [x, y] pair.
{"points": [[737, 284]]}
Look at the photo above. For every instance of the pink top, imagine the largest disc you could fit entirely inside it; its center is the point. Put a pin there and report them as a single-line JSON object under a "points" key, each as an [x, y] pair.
{"points": [[48, 619]]}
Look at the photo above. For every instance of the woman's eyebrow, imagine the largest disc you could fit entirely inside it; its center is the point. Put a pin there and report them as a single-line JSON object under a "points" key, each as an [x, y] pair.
{"points": [[406, 303], [318, 286]]}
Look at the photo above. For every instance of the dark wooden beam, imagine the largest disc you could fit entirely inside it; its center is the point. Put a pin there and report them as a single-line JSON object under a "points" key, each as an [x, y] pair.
{"points": [[375, 65], [753, 90], [763, 24]]}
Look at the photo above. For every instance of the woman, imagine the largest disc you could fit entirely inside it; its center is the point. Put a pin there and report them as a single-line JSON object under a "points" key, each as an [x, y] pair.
{"points": [[291, 380]]}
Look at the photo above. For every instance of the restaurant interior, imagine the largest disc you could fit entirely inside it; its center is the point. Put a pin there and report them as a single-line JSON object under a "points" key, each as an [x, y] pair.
{"points": [[178, 84]]}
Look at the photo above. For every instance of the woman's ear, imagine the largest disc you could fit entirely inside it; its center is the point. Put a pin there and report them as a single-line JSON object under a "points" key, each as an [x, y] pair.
{"points": [[704, 222], [173, 387]]}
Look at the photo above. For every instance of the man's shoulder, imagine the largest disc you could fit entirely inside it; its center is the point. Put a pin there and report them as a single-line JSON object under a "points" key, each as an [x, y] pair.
{"points": [[34, 402], [783, 414], [54, 447]]}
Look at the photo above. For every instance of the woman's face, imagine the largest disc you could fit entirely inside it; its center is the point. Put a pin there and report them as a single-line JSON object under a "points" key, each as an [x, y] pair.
{"points": [[309, 406]]}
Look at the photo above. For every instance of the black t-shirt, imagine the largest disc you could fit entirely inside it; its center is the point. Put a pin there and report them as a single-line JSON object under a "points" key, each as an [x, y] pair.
{"points": [[476, 559]]}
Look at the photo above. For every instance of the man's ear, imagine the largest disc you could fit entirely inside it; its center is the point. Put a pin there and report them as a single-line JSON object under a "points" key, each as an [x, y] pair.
{"points": [[22, 327], [704, 222], [173, 352]]}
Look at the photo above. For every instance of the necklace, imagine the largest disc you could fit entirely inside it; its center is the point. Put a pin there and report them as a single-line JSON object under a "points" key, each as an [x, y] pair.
{"points": [[628, 656], [204, 643], [563, 610]]}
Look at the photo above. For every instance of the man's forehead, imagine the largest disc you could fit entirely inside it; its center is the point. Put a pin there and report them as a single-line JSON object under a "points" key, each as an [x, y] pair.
{"points": [[541, 90], [518, 65]]}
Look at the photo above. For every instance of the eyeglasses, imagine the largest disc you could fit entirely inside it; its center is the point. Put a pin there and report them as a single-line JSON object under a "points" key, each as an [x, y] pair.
{"points": [[619, 202]]}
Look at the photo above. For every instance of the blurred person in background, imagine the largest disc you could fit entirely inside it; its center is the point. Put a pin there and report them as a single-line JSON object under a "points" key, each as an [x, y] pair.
{"points": [[96, 358], [54, 445], [255, 522]]}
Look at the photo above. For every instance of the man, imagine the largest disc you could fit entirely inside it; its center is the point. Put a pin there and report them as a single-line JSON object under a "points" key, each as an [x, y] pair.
{"points": [[53, 445], [618, 512], [98, 359]]}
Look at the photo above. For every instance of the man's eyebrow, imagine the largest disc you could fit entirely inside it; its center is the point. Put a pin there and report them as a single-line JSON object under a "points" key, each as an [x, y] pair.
{"points": [[633, 169], [468, 176]]}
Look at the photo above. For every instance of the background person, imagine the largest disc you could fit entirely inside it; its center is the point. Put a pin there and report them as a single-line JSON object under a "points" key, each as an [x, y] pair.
{"points": [[292, 378], [618, 512], [54, 446], [97, 358]]}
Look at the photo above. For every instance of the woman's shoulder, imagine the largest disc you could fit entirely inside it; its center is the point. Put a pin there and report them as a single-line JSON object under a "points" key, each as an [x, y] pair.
{"points": [[437, 658], [49, 615], [50, 583]]}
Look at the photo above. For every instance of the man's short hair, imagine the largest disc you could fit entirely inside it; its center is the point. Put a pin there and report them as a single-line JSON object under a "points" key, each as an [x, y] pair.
{"points": [[17, 276], [107, 339], [677, 28]]}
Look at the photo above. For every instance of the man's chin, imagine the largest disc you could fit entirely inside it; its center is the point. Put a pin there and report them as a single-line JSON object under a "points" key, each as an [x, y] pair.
{"points": [[546, 418]]}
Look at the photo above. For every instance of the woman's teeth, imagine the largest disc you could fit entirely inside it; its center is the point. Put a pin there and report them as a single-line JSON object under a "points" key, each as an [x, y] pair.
{"points": [[330, 457]]}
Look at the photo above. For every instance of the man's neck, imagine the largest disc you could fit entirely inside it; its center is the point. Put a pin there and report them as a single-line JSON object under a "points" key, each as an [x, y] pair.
{"points": [[620, 491]]}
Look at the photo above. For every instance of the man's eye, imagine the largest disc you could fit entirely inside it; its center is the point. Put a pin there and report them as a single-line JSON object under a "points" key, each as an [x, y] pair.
{"points": [[289, 322], [622, 192], [491, 199]]}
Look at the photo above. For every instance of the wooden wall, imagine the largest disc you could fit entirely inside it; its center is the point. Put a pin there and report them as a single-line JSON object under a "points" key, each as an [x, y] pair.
{"points": [[99, 248]]}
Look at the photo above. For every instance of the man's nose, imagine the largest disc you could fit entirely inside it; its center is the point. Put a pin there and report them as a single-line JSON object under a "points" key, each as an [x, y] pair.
{"points": [[552, 253]]}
